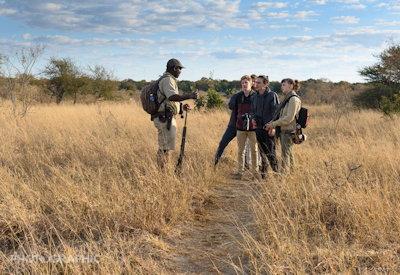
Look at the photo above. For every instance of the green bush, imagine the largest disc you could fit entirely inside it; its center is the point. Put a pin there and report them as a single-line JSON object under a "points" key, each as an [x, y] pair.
{"points": [[390, 105], [201, 101], [214, 99]]}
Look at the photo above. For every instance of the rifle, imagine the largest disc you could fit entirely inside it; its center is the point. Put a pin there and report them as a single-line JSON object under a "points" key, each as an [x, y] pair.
{"points": [[178, 167]]}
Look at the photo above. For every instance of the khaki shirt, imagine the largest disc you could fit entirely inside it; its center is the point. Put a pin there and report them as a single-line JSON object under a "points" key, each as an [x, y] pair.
{"points": [[287, 118], [167, 87]]}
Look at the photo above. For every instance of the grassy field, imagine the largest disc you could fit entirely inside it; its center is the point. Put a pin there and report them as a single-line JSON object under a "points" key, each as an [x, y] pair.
{"points": [[340, 210], [80, 182]]}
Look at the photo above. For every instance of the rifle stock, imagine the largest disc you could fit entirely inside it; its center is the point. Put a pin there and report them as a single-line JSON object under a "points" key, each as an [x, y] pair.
{"points": [[178, 167]]}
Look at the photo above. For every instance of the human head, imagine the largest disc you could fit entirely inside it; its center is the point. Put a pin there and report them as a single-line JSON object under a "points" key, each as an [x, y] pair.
{"points": [[288, 85], [253, 80], [174, 67], [246, 82], [261, 82]]}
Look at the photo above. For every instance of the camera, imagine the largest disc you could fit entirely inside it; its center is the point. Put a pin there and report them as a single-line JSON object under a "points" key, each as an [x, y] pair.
{"points": [[247, 118]]}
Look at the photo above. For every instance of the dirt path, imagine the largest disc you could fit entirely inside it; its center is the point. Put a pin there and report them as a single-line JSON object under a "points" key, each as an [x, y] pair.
{"points": [[211, 244]]}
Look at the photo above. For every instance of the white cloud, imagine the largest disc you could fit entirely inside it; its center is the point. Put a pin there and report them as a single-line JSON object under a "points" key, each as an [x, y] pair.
{"points": [[26, 36], [388, 23], [357, 7], [6, 11], [305, 14], [51, 7], [270, 5], [320, 2], [278, 15], [345, 20], [119, 16]]}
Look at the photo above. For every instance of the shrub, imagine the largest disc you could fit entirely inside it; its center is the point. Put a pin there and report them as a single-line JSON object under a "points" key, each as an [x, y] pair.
{"points": [[214, 99]]}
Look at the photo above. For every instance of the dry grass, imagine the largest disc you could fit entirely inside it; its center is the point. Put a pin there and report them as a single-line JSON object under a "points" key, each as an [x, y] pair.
{"points": [[339, 211], [82, 181]]}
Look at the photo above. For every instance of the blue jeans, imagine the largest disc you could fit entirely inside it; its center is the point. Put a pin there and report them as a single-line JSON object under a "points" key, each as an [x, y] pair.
{"points": [[230, 133]]}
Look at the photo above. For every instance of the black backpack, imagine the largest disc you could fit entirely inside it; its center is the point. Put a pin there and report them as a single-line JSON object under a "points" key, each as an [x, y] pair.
{"points": [[149, 97], [301, 118]]}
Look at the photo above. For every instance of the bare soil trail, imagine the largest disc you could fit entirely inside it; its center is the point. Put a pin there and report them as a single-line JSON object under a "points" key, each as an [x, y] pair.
{"points": [[210, 244]]}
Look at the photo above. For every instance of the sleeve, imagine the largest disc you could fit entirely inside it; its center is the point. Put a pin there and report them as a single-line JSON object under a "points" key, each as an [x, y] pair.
{"points": [[274, 103], [294, 105], [168, 87], [232, 102]]}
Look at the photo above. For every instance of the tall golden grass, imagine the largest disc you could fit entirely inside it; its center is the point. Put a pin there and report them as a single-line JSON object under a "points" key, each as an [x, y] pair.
{"points": [[339, 211], [81, 181]]}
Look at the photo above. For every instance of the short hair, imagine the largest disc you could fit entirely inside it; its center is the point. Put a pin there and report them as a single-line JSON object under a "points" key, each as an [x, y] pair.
{"points": [[247, 77], [264, 78]]}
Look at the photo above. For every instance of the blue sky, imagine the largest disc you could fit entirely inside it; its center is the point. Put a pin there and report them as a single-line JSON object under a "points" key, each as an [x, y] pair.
{"points": [[302, 39]]}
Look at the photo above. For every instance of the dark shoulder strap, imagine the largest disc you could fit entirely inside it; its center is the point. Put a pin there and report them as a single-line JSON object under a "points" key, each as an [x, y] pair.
{"points": [[282, 105]]}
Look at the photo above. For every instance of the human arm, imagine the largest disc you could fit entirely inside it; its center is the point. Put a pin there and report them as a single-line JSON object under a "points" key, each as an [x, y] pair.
{"points": [[169, 88], [232, 102], [293, 106], [178, 98]]}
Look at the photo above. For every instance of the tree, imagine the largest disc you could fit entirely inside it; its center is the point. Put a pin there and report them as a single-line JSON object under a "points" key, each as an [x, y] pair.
{"points": [[387, 70], [63, 77], [20, 74], [214, 99], [127, 84], [384, 79], [103, 83], [186, 86]]}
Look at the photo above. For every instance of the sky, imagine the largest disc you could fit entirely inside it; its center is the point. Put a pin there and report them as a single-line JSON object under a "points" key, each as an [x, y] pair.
{"points": [[222, 39]]}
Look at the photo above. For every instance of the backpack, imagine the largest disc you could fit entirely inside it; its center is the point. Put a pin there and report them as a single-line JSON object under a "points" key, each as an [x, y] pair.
{"points": [[301, 118], [149, 97]]}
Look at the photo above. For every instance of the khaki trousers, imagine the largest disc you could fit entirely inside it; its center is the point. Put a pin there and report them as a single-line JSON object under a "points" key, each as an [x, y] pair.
{"points": [[242, 136], [287, 152], [166, 138]]}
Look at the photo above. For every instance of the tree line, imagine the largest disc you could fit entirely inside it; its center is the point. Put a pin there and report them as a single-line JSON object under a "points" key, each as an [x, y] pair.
{"points": [[61, 79]]}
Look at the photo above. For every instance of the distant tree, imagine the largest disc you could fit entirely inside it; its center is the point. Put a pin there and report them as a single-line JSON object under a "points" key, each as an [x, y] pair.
{"points": [[214, 99], [384, 79], [103, 83], [387, 70], [127, 84], [275, 86], [186, 86], [63, 77], [204, 84], [17, 87], [140, 84]]}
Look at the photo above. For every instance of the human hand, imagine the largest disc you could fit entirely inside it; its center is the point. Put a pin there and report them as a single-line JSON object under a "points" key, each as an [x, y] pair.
{"points": [[271, 132], [254, 123], [268, 126], [187, 107]]}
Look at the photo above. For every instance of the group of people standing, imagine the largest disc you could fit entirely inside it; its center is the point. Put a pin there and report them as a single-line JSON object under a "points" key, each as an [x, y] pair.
{"points": [[255, 114], [257, 118]]}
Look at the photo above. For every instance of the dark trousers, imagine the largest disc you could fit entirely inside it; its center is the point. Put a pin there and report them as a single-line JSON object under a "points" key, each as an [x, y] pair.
{"points": [[267, 149], [230, 133]]}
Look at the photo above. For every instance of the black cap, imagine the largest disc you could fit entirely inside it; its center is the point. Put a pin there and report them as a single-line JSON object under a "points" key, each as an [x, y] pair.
{"points": [[174, 63]]}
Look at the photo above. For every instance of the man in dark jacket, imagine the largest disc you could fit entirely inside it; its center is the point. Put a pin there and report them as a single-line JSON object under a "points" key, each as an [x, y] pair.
{"points": [[264, 105]]}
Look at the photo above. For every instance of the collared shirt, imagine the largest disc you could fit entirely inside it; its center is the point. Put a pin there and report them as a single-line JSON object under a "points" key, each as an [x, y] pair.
{"points": [[167, 87]]}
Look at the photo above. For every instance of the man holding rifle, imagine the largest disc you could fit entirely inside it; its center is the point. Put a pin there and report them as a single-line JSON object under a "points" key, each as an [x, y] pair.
{"points": [[165, 122]]}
